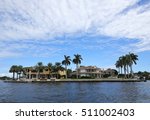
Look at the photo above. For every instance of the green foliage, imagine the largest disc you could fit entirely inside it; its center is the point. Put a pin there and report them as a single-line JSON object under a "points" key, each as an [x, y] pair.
{"points": [[69, 71], [106, 75], [5, 78], [144, 74], [16, 69], [77, 60], [116, 72], [66, 61], [126, 62], [53, 69], [86, 77]]}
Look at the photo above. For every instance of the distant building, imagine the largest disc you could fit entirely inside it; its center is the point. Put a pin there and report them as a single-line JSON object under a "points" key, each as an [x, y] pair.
{"points": [[94, 72], [89, 71], [45, 73]]}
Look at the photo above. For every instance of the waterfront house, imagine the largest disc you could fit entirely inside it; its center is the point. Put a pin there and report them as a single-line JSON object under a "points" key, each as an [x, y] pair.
{"points": [[90, 71], [94, 72], [43, 74]]}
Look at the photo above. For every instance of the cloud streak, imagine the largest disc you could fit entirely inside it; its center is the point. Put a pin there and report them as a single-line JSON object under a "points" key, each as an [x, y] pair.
{"points": [[47, 22], [133, 25]]}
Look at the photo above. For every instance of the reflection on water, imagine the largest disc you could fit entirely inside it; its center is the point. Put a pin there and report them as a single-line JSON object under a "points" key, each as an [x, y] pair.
{"points": [[75, 92]]}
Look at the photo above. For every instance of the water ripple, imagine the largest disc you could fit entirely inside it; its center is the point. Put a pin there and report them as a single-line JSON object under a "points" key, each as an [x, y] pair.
{"points": [[76, 92]]}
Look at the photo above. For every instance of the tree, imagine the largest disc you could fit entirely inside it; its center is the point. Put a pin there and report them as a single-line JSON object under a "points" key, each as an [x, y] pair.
{"points": [[39, 67], [121, 64], [13, 69], [66, 62], [19, 70], [133, 59], [118, 66], [77, 60], [50, 67], [69, 71], [30, 69], [126, 62], [56, 68]]}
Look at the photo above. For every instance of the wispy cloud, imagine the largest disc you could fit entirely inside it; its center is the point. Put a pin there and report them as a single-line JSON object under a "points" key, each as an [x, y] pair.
{"points": [[39, 27], [133, 25], [28, 48]]}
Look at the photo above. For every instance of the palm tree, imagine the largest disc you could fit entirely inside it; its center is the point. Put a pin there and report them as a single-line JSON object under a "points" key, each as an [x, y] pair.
{"points": [[30, 70], [39, 67], [121, 64], [118, 66], [50, 66], [13, 69], [133, 59], [66, 62], [19, 70], [77, 61], [126, 62], [56, 68]]}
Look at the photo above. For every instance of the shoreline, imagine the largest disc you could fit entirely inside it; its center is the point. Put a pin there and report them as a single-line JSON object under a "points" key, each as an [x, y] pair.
{"points": [[75, 80]]}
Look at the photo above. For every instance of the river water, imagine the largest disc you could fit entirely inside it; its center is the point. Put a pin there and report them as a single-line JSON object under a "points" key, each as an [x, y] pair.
{"points": [[76, 92]]}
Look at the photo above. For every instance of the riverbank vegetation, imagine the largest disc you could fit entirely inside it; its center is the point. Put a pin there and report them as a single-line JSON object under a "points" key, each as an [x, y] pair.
{"points": [[16, 69], [19, 70], [125, 64], [5, 78], [142, 75]]}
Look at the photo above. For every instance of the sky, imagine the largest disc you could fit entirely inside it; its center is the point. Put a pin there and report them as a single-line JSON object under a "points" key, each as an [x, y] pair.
{"points": [[99, 30]]}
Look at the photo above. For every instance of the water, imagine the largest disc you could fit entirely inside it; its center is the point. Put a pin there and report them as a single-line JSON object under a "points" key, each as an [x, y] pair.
{"points": [[101, 92]]}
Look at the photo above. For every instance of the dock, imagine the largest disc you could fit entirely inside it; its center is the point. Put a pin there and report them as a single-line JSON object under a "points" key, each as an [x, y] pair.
{"points": [[75, 80]]}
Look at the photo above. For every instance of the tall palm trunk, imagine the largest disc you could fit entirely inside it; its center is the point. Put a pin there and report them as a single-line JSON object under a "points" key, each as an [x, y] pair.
{"points": [[124, 71], [13, 75], [131, 71], [29, 75], [121, 70], [37, 75], [77, 75], [118, 70], [17, 75], [127, 71], [49, 75], [66, 71]]}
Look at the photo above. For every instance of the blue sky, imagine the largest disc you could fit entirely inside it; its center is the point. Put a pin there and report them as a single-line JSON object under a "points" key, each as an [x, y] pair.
{"points": [[99, 30]]}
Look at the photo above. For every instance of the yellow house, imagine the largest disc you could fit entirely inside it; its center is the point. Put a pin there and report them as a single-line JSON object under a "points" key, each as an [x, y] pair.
{"points": [[45, 73]]}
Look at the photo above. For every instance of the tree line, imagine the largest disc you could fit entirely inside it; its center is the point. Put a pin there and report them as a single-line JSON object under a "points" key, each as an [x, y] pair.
{"points": [[18, 70], [125, 64]]}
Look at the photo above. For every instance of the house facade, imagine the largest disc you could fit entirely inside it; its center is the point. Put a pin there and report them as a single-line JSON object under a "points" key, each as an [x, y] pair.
{"points": [[94, 72], [90, 71], [45, 73]]}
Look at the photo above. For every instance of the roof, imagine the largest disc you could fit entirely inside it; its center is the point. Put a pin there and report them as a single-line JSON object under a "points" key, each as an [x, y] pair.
{"points": [[88, 67]]}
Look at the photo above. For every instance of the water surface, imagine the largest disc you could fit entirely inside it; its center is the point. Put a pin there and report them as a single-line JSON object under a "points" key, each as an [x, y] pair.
{"points": [[101, 92]]}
